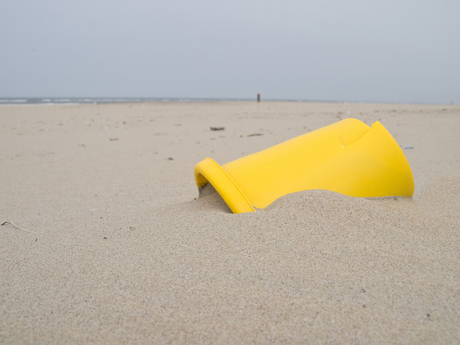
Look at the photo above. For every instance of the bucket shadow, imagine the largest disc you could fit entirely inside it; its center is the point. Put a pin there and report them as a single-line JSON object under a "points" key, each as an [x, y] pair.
{"points": [[208, 200]]}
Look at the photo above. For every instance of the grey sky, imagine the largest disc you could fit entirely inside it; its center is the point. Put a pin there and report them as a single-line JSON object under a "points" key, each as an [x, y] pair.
{"points": [[373, 51]]}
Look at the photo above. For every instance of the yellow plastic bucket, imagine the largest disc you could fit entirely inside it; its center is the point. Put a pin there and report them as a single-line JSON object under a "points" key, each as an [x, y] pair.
{"points": [[347, 157]]}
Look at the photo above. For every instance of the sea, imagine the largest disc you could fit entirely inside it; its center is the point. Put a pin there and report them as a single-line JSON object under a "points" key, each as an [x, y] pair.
{"points": [[97, 100]]}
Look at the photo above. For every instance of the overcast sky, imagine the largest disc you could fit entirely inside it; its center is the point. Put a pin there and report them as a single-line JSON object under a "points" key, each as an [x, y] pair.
{"points": [[405, 51]]}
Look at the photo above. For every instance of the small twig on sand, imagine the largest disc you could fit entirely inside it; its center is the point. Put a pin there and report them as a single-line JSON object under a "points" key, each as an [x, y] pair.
{"points": [[7, 222]]}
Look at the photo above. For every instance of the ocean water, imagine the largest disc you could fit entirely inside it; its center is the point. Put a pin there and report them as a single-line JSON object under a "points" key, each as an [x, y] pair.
{"points": [[95, 100]]}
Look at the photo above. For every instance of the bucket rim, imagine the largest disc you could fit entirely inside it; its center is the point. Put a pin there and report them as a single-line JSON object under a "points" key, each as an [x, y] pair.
{"points": [[209, 171]]}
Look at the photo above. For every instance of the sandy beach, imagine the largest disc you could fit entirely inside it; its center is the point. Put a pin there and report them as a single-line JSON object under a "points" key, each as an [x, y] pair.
{"points": [[104, 239]]}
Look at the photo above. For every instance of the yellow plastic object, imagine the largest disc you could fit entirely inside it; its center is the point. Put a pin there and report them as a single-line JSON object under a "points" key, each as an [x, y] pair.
{"points": [[347, 157]]}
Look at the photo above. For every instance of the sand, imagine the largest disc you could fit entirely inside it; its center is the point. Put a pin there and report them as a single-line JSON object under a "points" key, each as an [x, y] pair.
{"points": [[111, 244]]}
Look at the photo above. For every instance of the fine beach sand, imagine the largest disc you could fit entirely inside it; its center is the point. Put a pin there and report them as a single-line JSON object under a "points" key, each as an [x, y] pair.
{"points": [[105, 241]]}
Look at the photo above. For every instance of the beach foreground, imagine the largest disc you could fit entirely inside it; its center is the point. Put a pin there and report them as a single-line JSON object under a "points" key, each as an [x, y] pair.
{"points": [[104, 238]]}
